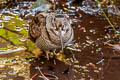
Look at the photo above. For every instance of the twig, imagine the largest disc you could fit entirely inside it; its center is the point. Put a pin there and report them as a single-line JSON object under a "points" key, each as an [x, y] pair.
{"points": [[50, 75], [110, 59], [33, 76], [102, 59], [44, 77]]}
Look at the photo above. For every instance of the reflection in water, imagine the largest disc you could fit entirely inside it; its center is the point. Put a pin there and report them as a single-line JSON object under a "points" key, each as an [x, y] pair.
{"points": [[14, 66], [84, 60]]}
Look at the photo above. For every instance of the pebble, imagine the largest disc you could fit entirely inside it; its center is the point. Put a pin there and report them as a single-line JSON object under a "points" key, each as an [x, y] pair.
{"points": [[96, 71]]}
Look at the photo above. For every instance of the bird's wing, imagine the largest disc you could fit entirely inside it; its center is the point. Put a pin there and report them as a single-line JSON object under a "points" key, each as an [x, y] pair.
{"points": [[38, 22]]}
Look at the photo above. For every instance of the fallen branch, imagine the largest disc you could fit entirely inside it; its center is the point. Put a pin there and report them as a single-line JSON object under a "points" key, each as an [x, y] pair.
{"points": [[7, 40], [16, 32]]}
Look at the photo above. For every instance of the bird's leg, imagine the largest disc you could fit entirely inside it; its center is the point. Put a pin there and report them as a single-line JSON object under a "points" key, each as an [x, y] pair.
{"points": [[54, 51], [47, 54], [54, 55]]}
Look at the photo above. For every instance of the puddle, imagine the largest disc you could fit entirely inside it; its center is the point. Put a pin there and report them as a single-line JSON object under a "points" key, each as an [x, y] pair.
{"points": [[88, 59]]}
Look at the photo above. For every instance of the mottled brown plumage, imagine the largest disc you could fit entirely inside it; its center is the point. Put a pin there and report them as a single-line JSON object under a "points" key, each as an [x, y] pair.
{"points": [[50, 30]]}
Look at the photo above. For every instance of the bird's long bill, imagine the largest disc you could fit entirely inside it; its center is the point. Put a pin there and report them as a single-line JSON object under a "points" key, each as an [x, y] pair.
{"points": [[61, 38]]}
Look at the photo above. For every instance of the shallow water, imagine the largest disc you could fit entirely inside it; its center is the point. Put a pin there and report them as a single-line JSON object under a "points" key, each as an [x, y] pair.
{"points": [[90, 58]]}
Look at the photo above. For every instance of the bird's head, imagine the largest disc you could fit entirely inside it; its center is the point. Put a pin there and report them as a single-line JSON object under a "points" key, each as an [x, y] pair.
{"points": [[58, 25]]}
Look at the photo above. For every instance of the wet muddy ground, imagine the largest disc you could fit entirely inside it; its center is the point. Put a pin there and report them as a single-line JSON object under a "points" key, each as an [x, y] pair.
{"points": [[88, 59]]}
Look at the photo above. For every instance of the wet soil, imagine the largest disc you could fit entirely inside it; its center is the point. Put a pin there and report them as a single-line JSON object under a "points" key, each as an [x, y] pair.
{"points": [[93, 61]]}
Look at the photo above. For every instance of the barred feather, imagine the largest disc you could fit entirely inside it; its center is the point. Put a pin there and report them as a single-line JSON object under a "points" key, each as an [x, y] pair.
{"points": [[43, 30]]}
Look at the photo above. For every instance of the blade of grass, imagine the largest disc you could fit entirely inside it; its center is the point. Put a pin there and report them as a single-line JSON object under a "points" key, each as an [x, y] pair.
{"points": [[99, 5]]}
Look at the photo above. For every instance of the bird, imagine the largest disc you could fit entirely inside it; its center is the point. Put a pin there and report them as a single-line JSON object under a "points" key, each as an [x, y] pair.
{"points": [[50, 31]]}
